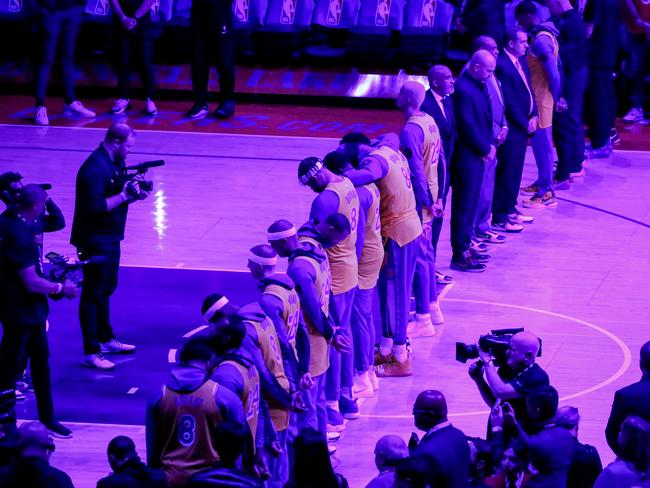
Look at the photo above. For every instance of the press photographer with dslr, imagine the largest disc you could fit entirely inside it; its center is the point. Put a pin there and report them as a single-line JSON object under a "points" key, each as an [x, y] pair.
{"points": [[516, 378], [104, 191], [24, 308]]}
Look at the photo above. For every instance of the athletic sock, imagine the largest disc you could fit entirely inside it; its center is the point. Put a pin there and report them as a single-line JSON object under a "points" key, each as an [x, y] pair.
{"points": [[400, 352], [386, 346]]}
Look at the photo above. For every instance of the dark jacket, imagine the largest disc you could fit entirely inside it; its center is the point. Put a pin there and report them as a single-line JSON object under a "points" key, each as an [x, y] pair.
{"points": [[473, 121], [33, 472], [448, 452], [219, 476], [134, 474], [98, 178], [551, 453], [631, 400], [516, 95], [585, 467]]}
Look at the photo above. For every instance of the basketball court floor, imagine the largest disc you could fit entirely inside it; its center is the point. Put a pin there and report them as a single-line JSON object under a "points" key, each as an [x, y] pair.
{"points": [[578, 277]]}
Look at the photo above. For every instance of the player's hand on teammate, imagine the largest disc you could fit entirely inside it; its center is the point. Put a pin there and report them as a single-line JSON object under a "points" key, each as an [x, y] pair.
{"points": [[306, 382], [275, 449], [438, 210], [298, 402], [341, 344], [260, 467]]}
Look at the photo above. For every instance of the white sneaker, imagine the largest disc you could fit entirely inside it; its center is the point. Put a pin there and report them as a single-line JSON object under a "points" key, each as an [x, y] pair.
{"points": [[331, 449], [372, 376], [436, 313], [116, 347], [121, 105], [40, 118], [20, 396], [98, 361], [78, 108], [362, 387], [634, 115], [422, 327], [333, 436], [150, 108]]}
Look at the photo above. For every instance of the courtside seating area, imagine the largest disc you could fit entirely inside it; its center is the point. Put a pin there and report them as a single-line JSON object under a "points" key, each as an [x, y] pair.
{"points": [[379, 33]]}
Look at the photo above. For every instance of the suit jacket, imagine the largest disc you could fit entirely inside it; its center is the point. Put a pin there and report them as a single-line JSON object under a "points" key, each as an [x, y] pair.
{"points": [[551, 453], [473, 115], [446, 123], [585, 467], [516, 96], [631, 400], [448, 453]]}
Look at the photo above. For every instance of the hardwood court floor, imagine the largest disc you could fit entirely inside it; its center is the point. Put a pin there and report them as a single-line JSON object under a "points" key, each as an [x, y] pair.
{"points": [[577, 277]]}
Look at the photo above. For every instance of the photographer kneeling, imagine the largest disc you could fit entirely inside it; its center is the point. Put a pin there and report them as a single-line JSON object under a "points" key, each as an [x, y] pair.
{"points": [[513, 381], [24, 308]]}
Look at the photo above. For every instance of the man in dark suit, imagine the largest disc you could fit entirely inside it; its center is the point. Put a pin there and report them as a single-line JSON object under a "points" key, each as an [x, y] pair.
{"points": [[475, 147], [437, 103], [444, 447], [521, 115], [631, 400], [586, 465]]}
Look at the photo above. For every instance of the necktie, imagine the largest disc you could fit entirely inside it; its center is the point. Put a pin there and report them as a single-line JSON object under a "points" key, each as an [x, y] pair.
{"points": [[443, 106], [523, 77]]}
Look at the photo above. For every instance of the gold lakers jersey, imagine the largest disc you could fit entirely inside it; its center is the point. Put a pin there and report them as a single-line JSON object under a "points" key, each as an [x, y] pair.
{"points": [[319, 348], [399, 219], [540, 84], [187, 421], [290, 309], [430, 155], [372, 254], [250, 397], [343, 256]]}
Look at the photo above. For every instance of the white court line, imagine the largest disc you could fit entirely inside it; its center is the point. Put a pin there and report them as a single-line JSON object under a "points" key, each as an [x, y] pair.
{"points": [[625, 364], [171, 355], [195, 331], [270, 136], [159, 131], [132, 391], [445, 290]]}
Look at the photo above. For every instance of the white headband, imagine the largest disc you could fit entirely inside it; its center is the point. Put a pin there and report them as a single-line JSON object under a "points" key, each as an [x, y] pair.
{"points": [[265, 261], [314, 170], [281, 234], [216, 306]]}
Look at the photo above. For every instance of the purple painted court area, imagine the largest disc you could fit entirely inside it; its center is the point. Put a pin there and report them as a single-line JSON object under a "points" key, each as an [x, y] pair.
{"points": [[152, 308]]}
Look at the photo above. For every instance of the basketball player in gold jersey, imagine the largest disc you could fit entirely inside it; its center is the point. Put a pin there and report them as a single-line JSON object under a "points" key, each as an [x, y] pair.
{"points": [[281, 305], [181, 422], [370, 253], [309, 270], [420, 143], [383, 163], [336, 194]]}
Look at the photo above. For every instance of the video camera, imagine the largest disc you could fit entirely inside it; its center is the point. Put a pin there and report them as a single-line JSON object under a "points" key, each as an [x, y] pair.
{"points": [[60, 268], [135, 174], [496, 343]]}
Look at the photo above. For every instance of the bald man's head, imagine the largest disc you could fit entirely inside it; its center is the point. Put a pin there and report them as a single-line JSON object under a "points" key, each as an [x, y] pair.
{"points": [[486, 43], [389, 450], [430, 409], [410, 96], [523, 350], [441, 80], [35, 440], [482, 65], [119, 140]]}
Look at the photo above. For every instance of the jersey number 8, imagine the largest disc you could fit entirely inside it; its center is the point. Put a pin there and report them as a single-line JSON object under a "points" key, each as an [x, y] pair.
{"points": [[186, 430]]}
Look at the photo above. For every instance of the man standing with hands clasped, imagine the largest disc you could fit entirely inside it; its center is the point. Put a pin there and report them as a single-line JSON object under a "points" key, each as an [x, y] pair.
{"points": [[103, 194]]}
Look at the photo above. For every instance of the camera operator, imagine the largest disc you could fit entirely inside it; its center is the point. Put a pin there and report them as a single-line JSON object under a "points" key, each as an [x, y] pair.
{"points": [[513, 381], [24, 308], [103, 194]]}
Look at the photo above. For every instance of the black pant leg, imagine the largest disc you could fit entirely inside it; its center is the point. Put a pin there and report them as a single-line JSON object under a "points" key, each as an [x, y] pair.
{"points": [[123, 65], [145, 41], [100, 282], [39, 355], [13, 351], [200, 27], [465, 195], [510, 167], [225, 63], [602, 105]]}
